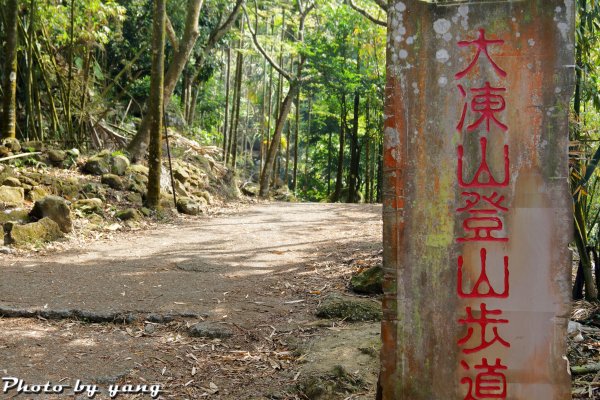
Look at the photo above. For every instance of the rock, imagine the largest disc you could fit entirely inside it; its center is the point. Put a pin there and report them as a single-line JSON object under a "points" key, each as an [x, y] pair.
{"points": [[97, 165], [113, 181], [251, 189], [180, 174], [350, 309], [5, 151], [149, 329], [14, 182], [135, 198], [137, 188], [209, 330], [13, 144], [205, 195], [74, 153], [119, 164], [11, 196], [129, 214], [180, 189], [89, 206], [28, 180], [284, 194], [186, 205], [36, 193], [138, 169], [6, 250], [32, 146], [44, 230], [146, 212], [57, 157], [17, 215], [369, 281], [55, 208]]}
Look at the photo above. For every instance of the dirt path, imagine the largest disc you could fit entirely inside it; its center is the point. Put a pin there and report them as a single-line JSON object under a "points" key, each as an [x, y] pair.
{"points": [[259, 274]]}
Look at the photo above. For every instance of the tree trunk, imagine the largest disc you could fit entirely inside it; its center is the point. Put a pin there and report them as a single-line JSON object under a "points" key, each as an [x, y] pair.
{"points": [[9, 120], [273, 148], [354, 155], [368, 153], [225, 126], [180, 59], [306, 145], [235, 118], [296, 141], [340, 164], [156, 104]]}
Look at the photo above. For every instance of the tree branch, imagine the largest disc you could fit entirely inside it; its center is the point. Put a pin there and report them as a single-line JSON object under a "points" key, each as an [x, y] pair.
{"points": [[382, 4], [262, 50], [365, 14], [172, 35], [218, 33]]}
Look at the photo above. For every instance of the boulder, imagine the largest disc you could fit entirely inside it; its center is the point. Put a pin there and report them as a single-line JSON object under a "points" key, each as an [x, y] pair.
{"points": [[36, 193], [135, 198], [55, 208], [11, 181], [57, 157], [13, 144], [251, 189], [129, 214], [349, 308], [16, 215], [28, 180], [119, 164], [11, 196], [205, 195], [209, 330], [89, 206], [32, 146], [97, 165], [189, 206], [180, 174], [5, 151], [113, 181], [138, 169], [44, 230], [369, 281]]}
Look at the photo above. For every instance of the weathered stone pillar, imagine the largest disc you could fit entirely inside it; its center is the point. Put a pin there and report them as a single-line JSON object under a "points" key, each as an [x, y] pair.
{"points": [[477, 210]]}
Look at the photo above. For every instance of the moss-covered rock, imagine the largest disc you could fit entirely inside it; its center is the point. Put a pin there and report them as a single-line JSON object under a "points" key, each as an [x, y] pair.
{"points": [[350, 309], [138, 169], [57, 157], [113, 181], [55, 208], [13, 144], [16, 215], [36, 193], [32, 146], [89, 206], [129, 214], [97, 165], [369, 281], [119, 164], [11, 196], [251, 189], [44, 230], [12, 181], [189, 206]]}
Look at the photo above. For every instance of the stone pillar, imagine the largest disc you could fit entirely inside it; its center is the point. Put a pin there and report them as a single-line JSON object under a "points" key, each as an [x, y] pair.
{"points": [[477, 210]]}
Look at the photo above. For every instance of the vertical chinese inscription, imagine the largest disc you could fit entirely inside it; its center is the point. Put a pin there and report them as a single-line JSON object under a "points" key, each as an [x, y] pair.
{"points": [[484, 224], [476, 205]]}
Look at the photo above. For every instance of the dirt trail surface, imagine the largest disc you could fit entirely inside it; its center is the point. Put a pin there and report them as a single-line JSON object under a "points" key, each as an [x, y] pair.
{"points": [[120, 311]]}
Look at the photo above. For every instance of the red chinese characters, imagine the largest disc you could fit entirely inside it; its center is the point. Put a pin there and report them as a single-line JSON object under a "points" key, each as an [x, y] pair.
{"points": [[482, 212]]}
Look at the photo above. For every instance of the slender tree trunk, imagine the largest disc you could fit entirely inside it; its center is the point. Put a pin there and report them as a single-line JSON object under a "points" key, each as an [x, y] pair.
{"points": [[296, 141], [262, 118], [156, 104], [31, 118], [274, 147], [353, 174], [307, 145], [69, 117], [340, 164], [329, 162], [354, 155], [225, 126], [288, 138], [235, 119], [368, 152], [9, 117], [180, 59]]}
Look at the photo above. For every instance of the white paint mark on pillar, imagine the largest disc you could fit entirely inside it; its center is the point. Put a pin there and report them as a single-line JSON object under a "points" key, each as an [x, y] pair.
{"points": [[442, 55], [441, 26]]}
